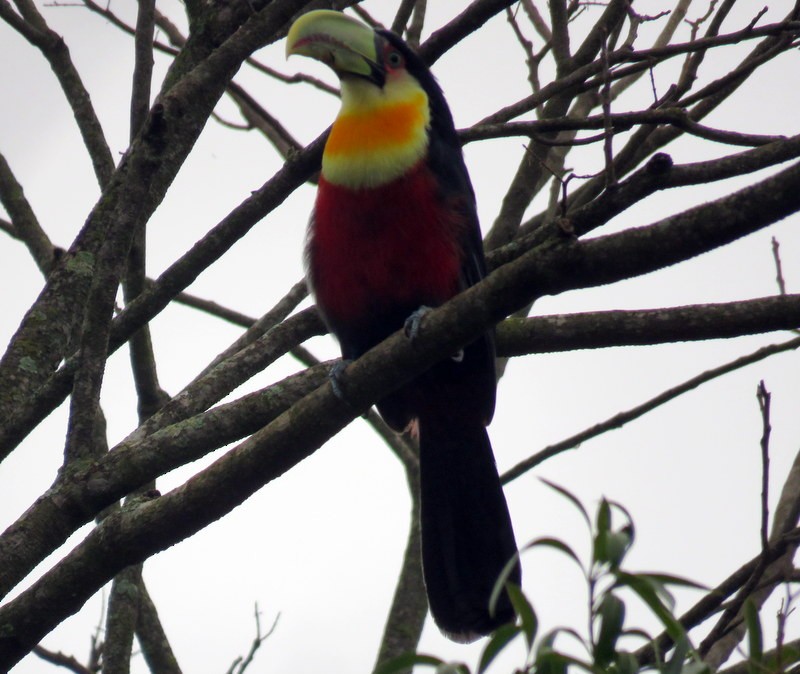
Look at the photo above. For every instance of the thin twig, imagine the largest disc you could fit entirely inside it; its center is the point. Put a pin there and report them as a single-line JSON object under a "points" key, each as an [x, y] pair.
{"points": [[402, 15], [776, 255], [775, 560], [240, 664], [673, 116], [622, 418], [34, 28], [608, 133], [25, 225], [764, 400], [642, 60], [531, 60], [414, 30], [62, 660]]}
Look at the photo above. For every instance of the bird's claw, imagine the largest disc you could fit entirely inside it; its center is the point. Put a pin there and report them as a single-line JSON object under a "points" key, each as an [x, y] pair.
{"points": [[413, 322], [335, 375]]}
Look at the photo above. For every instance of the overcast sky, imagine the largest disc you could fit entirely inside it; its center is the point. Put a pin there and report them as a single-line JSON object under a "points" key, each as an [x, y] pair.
{"points": [[322, 545]]}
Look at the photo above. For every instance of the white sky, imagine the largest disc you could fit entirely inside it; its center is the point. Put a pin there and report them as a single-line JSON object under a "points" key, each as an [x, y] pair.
{"points": [[322, 545]]}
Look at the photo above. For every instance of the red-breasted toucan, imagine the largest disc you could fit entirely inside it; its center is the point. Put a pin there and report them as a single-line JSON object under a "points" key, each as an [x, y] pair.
{"points": [[395, 228]]}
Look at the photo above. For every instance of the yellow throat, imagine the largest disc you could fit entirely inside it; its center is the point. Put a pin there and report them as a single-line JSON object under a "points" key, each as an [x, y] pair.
{"points": [[379, 134]]}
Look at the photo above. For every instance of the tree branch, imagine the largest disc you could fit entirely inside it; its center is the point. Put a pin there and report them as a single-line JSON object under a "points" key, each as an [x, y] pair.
{"points": [[409, 607], [593, 330], [149, 527], [718, 645], [622, 418], [61, 660], [139, 184], [26, 226], [22, 416], [152, 638]]}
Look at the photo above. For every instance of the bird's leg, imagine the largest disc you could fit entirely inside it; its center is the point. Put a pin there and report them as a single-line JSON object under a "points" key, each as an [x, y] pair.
{"points": [[335, 375], [411, 326]]}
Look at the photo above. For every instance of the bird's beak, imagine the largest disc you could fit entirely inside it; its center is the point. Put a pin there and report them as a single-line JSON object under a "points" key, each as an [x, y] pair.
{"points": [[344, 44]]}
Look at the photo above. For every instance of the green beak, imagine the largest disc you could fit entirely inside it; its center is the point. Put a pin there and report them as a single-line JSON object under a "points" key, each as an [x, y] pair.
{"points": [[344, 44]]}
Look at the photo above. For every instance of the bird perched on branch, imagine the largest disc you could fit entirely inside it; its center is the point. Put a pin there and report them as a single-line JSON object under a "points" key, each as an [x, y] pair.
{"points": [[395, 228]]}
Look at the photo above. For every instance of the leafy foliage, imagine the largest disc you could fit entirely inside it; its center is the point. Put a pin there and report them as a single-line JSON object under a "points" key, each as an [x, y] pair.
{"points": [[610, 586]]}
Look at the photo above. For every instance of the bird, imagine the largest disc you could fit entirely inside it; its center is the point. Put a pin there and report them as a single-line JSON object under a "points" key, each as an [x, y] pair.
{"points": [[394, 231]]}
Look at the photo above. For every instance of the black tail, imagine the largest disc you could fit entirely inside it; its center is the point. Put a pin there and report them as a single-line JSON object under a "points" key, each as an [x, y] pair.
{"points": [[467, 536]]}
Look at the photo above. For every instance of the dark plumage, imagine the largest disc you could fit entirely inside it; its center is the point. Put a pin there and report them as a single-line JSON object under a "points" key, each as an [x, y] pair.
{"points": [[385, 241]]}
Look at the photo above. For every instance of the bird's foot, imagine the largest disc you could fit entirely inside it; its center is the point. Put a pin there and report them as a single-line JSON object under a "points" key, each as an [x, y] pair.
{"points": [[411, 329], [335, 375], [413, 322]]}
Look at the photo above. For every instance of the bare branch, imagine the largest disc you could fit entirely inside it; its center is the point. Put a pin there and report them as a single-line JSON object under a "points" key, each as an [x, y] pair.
{"points": [[600, 329], [123, 611], [605, 98], [69, 332], [156, 649], [537, 21], [470, 20], [35, 29], [710, 603], [531, 59], [414, 30], [149, 392], [156, 524], [717, 647], [643, 59], [409, 606], [241, 664], [622, 418], [61, 660], [560, 36], [764, 401], [258, 117], [402, 15], [677, 117], [25, 225], [776, 254], [177, 277]]}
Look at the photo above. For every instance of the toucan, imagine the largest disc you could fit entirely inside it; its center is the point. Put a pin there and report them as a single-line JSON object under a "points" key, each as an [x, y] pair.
{"points": [[394, 229]]}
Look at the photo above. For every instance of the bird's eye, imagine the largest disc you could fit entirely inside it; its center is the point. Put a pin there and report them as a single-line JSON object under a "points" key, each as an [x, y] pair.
{"points": [[394, 59]]}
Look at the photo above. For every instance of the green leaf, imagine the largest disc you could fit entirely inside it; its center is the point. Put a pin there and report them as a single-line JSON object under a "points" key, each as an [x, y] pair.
{"points": [[612, 617], [696, 667], [527, 616], [501, 637], [638, 632], [789, 655], [501, 581], [452, 668], [556, 544], [548, 639], [555, 662], [626, 513], [669, 579], [626, 663], [654, 582], [755, 639], [604, 517], [648, 591], [571, 498], [408, 660], [610, 547], [551, 663], [675, 664]]}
